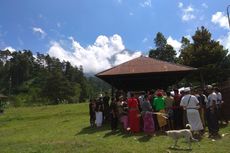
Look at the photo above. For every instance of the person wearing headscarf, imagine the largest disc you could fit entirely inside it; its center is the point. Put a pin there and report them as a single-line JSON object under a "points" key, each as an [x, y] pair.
{"points": [[191, 104], [159, 105], [133, 115], [146, 113]]}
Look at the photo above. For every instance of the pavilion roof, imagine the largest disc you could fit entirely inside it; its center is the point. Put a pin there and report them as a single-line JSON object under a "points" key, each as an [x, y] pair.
{"points": [[144, 73], [143, 65]]}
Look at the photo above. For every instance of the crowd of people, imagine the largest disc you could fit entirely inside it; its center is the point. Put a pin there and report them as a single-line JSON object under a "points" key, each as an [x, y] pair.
{"points": [[159, 110]]}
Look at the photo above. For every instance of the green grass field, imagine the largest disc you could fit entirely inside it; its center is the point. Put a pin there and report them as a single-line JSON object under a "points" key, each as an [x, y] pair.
{"points": [[65, 129]]}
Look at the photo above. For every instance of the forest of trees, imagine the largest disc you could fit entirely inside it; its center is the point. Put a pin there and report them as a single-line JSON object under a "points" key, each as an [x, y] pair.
{"points": [[28, 80]]}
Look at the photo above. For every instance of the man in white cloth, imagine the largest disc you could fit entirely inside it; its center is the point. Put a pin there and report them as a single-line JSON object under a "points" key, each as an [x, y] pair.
{"points": [[191, 104], [99, 110]]}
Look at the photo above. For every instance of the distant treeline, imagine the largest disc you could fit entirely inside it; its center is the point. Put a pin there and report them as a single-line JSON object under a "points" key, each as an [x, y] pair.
{"points": [[30, 80]]}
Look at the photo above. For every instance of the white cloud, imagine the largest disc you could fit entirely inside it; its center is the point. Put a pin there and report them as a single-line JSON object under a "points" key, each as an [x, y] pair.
{"points": [[204, 5], [220, 19], [187, 12], [180, 4], [145, 40], [189, 37], [39, 31], [146, 3], [103, 54], [225, 41], [11, 49], [173, 42]]}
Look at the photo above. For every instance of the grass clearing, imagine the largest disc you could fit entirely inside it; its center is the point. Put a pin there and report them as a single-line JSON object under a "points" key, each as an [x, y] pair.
{"points": [[65, 129]]}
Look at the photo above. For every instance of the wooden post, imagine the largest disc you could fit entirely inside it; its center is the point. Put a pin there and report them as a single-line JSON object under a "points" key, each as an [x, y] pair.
{"points": [[202, 79]]}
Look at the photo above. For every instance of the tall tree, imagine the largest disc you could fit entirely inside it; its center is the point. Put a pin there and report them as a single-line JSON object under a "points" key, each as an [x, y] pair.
{"points": [[205, 54], [163, 51]]}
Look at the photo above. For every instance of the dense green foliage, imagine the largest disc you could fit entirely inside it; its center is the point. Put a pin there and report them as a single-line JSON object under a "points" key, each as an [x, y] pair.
{"points": [[203, 53], [163, 50], [207, 55], [43, 79], [65, 129]]}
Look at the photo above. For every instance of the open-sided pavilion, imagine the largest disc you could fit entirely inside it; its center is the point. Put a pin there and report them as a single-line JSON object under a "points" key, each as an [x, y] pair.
{"points": [[144, 73]]}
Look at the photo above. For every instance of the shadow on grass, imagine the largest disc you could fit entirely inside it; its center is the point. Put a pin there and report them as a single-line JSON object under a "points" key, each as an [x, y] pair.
{"points": [[111, 133], [91, 130], [178, 149], [145, 138]]}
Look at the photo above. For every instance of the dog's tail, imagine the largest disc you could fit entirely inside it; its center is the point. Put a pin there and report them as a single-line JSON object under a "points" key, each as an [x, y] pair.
{"points": [[189, 126]]}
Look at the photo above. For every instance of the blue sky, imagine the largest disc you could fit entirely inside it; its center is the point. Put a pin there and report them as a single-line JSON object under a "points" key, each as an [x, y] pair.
{"points": [[103, 33]]}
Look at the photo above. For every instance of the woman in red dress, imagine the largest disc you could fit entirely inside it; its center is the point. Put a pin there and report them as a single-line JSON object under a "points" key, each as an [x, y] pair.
{"points": [[134, 121]]}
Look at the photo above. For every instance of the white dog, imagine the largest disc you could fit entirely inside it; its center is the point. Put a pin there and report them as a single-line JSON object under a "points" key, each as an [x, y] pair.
{"points": [[186, 133]]}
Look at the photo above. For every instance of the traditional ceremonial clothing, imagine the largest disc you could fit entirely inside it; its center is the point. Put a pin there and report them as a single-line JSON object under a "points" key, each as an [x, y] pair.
{"points": [[159, 104], [99, 115], [190, 103], [98, 119], [149, 126], [134, 121]]}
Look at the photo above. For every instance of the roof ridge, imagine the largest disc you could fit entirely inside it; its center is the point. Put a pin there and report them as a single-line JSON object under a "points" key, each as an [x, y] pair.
{"points": [[172, 63], [157, 61], [118, 65]]}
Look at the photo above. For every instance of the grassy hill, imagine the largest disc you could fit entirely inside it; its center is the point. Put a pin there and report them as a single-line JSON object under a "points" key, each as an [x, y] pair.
{"points": [[65, 129]]}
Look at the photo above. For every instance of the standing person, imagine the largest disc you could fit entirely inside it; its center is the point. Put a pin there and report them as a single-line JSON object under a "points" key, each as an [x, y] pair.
{"points": [[124, 114], [191, 104], [92, 107], [134, 121], [219, 103], [169, 110], [106, 99], [114, 114], [177, 110], [211, 112], [99, 110], [202, 102], [159, 104], [147, 116]]}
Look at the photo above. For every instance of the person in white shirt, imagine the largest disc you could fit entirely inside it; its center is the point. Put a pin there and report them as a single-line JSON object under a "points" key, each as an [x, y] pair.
{"points": [[191, 104], [211, 113], [219, 103]]}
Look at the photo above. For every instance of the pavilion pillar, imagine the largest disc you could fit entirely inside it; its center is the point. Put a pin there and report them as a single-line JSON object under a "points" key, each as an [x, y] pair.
{"points": [[112, 92], [202, 79]]}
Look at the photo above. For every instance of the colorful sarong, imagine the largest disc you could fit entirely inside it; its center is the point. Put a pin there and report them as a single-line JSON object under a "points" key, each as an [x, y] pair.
{"points": [[148, 123], [161, 120]]}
